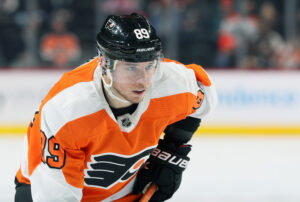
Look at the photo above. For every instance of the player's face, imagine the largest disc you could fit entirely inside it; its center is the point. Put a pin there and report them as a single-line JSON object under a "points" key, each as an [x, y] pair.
{"points": [[131, 80]]}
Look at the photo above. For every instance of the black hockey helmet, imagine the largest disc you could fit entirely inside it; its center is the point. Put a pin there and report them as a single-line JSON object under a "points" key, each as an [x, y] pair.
{"points": [[129, 38]]}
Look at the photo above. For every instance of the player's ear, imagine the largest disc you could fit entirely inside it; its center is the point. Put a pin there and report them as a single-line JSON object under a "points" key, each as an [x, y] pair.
{"points": [[103, 67], [105, 76], [102, 61]]}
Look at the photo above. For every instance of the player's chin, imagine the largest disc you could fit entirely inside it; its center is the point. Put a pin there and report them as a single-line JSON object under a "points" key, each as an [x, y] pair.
{"points": [[136, 98]]}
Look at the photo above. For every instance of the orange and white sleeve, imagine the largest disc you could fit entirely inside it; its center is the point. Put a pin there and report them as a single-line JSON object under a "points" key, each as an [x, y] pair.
{"points": [[204, 89], [206, 95], [59, 176]]}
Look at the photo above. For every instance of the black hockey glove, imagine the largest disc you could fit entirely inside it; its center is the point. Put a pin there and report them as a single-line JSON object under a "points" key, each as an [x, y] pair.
{"points": [[163, 168]]}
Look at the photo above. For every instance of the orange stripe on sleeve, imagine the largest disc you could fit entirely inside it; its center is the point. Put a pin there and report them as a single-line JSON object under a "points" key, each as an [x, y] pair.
{"points": [[21, 178]]}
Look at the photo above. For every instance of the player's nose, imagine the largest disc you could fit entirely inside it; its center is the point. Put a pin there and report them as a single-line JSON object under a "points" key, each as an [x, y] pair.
{"points": [[142, 77]]}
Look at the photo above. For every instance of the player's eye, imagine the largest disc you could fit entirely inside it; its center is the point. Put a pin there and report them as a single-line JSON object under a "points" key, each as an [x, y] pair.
{"points": [[149, 67], [131, 68]]}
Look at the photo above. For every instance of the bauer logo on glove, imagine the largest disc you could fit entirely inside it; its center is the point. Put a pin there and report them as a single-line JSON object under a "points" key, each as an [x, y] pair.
{"points": [[165, 156]]}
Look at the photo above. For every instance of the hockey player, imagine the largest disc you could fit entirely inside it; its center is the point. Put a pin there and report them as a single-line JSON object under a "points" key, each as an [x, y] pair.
{"points": [[93, 134]]}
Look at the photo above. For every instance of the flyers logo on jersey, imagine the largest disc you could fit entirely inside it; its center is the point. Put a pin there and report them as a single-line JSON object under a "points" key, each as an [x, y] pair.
{"points": [[108, 169]]}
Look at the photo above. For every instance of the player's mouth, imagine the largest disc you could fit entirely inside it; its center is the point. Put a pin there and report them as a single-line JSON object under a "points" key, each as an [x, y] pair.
{"points": [[139, 92]]}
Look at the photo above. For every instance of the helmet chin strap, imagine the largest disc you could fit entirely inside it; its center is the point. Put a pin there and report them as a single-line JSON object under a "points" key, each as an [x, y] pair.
{"points": [[109, 89]]}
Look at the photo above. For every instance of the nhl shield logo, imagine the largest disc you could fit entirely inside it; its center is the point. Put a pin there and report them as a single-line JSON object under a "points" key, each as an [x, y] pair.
{"points": [[126, 122]]}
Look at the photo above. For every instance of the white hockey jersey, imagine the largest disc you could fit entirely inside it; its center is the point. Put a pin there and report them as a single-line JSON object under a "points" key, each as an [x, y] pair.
{"points": [[76, 150]]}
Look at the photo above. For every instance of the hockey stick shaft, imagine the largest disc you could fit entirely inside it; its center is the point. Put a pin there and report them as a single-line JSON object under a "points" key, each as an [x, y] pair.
{"points": [[149, 193]]}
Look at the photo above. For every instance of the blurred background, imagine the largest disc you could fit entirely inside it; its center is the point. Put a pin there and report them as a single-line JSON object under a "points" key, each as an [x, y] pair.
{"points": [[214, 33], [247, 150]]}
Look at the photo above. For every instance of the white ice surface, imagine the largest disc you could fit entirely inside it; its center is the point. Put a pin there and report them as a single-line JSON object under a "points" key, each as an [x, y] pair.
{"points": [[222, 169]]}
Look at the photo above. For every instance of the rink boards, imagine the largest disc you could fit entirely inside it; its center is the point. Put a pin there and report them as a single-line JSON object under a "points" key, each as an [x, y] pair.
{"points": [[250, 102]]}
